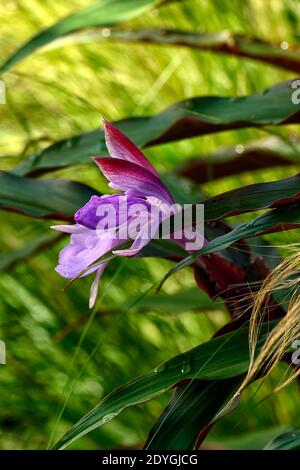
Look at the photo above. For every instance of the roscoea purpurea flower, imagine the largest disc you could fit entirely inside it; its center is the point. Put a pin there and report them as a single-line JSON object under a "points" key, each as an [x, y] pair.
{"points": [[106, 222]]}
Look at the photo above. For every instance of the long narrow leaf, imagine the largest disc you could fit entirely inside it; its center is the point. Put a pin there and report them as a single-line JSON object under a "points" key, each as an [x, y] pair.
{"points": [[99, 13], [222, 41], [190, 118], [222, 357], [258, 155], [274, 220], [35, 245], [193, 408], [253, 197], [53, 198], [286, 441]]}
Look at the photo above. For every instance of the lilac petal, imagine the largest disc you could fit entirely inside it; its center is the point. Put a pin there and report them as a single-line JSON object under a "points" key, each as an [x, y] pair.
{"points": [[83, 250], [78, 254], [95, 285], [119, 146], [118, 205], [86, 215], [125, 176]]}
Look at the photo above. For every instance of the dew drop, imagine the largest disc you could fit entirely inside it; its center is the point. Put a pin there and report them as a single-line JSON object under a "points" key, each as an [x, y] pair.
{"points": [[185, 367], [239, 148], [106, 32], [108, 417], [284, 45], [159, 369]]}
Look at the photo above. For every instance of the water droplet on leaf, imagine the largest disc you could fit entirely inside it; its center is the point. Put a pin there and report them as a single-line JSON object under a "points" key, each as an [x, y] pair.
{"points": [[106, 32], [108, 417], [185, 367], [239, 148], [284, 45]]}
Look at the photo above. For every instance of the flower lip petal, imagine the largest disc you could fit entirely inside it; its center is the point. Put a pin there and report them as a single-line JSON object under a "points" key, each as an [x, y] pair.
{"points": [[125, 176], [119, 146], [86, 215], [90, 216], [84, 249]]}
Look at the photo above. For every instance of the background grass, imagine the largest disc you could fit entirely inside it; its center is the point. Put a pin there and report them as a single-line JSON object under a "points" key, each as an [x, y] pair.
{"points": [[57, 93]]}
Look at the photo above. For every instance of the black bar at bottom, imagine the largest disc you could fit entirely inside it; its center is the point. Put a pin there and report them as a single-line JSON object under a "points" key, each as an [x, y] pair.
{"points": [[141, 459]]}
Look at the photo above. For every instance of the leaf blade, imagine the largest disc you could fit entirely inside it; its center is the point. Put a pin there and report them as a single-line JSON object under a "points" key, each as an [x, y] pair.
{"points": [[274, 220], [195, 117], [222, 42], [229, 161], [50, 198], [223, 357], [99, 13], [286, 441]]}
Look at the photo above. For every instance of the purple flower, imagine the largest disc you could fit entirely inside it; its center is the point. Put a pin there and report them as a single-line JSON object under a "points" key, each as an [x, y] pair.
{"points": [[95, 233]]}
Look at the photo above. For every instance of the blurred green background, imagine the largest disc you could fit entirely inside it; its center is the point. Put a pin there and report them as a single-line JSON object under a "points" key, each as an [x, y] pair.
{"points": [[60, 360]]}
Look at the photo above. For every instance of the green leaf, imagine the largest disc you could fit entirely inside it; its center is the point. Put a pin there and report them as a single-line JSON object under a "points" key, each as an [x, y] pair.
{"points": [[53, 198], [34, 245], [190, 118], [186, 299], [274, 220], [192, 408], [220, 358], [286, 441], [253, 197], [264, 250], [99, 13], [182, 190], [245, 199], [253, 440], [222, 41], [258, 155], [71, 30], [162, 249]]}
